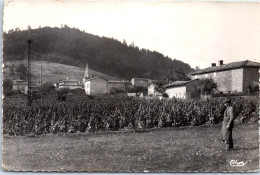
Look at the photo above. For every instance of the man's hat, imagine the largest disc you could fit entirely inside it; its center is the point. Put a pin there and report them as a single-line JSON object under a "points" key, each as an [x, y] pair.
{"points": [[227, 101]]}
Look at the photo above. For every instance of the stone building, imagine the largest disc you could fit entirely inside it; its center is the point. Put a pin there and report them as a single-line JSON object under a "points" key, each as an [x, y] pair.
{"points": [[118, 84], [183, 89], [70, 84], [140, 82], [20, 85], [100, 85], [232, 77], [95, 85]]}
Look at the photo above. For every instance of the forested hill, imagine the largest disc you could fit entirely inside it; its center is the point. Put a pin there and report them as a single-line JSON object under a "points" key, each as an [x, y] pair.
{"points": [[74, 47]]}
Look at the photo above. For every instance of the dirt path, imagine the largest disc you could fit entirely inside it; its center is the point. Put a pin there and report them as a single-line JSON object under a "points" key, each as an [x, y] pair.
{"points": [[162, 150]]}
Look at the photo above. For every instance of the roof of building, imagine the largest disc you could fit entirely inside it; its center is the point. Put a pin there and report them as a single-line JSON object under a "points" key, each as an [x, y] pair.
{"points": [[233, 65], [20, 82], [71, 85], [93, 78], [70, 81], [105, 77], [180, 83], [118, 81], [140, 79]]}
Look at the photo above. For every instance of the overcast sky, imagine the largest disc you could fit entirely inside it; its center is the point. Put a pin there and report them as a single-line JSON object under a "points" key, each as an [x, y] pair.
{"points": [[195, 33]]}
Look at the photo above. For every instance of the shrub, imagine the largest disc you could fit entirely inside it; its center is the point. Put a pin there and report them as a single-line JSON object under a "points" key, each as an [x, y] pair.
{"points": [[165, 95], [62, 93], [47, 87], [7, 87], [206, 85], [22, 70]]}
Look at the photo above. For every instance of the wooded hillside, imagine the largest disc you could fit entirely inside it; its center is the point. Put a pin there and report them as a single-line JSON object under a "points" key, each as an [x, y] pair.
{"points": [[74, 47]]}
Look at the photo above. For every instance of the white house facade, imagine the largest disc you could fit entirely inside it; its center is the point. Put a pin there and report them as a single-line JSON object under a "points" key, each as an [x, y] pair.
{"points": [[183, 89]]}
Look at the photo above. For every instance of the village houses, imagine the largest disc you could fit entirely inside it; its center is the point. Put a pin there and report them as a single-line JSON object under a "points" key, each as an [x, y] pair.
{"points": [[22, 85], [231, 77], [94, 84], [100, 85]]}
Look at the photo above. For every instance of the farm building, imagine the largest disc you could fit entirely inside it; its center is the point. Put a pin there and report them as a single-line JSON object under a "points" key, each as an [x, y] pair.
{"points": [[183, 89], [95, 85], [70, 84], [100, 85], [20, 85], [117, 84], [232, 77], [140, 82], [34, 88]]}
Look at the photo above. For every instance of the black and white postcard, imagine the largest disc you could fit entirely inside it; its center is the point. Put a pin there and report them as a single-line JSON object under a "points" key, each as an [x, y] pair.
{"points": [[130, 86]]}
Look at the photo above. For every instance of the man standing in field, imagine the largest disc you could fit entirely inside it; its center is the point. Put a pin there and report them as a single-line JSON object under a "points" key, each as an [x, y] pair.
{"points": [[227, 125]]}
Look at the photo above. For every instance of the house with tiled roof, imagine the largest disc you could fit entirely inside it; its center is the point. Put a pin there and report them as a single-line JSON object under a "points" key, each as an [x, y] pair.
{"points": [[183, 89], [231, 77]]}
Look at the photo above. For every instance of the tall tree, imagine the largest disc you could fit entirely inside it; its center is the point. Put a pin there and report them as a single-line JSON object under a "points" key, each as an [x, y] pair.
{"points": [[206, 85]]}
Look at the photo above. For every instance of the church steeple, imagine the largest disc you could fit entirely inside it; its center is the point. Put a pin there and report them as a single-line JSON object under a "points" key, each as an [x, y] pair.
{"points": [[86, 72]]}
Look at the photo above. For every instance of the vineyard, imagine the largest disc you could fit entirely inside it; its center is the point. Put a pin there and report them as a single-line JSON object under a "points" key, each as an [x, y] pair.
{"points": [[116, 113]]}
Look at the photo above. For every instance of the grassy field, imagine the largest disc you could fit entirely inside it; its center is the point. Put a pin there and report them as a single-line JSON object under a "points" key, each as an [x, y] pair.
{"points": [[61, 71], [155, 150]]}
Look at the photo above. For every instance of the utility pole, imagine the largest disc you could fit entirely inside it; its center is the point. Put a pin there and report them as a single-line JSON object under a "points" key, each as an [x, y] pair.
{"points": [[29, 92], [41, 81]]}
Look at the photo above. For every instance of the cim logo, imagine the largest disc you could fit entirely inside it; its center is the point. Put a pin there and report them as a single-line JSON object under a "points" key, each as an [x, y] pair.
{"points": [[237, 163]]}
